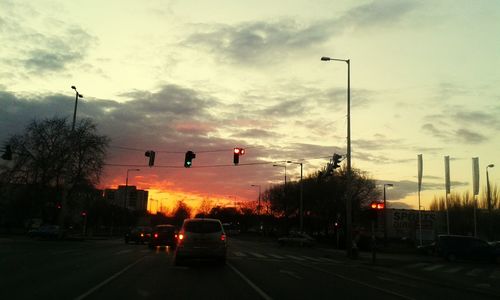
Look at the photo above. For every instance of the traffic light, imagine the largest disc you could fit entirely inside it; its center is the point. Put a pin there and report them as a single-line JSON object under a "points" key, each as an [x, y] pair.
{"points": [[188, 160], [237, 153], [336, 160], [7, 155], [151, 154], [375, 207]]}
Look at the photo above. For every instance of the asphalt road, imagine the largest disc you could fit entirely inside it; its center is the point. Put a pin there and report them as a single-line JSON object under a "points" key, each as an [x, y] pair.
{"points": [[256, 269]]}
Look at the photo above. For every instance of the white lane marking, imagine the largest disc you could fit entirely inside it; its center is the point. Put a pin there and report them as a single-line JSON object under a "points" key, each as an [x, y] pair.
{"points": [[495, 274], [453, 270], [433, 268], [295, 257], [113, 277], [311, 258], [291, 274], [324, 259], [257, 255], [418, 265], [123, 252], [239, 254], [474, 272], [275, 256], [314, 267], [250, 283]]}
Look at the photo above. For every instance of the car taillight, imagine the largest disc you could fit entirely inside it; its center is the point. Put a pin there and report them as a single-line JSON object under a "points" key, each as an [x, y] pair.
{"points": [[156, 235], [223, 237], [181, 236]]}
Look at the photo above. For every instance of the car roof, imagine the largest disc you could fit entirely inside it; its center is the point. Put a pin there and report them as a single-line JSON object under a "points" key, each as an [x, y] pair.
{"points": [[202, 220]]}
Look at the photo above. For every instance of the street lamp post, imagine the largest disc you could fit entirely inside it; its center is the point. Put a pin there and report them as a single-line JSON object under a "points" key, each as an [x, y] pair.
{"points": [[284, 190], [385, 212], [77, 95], [488, 194], [258, 205], [348, 200], [126, 188], [301, 204]]}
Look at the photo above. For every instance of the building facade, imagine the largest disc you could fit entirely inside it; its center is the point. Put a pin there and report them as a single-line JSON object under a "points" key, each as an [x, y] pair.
{"points": [[128, 196]]}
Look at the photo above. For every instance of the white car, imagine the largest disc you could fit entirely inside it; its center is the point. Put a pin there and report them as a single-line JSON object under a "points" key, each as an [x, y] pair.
{"points": [[201, 238]]}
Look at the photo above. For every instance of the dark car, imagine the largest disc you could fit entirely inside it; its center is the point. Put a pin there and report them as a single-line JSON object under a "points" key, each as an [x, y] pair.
{"points": [[453, 247], [201, 238], [48, 232], [138, 235], [163, 235], [296, 239]]}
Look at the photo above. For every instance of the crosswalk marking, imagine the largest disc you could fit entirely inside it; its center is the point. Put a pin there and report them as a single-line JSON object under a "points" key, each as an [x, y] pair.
{"points": [[239, 254], [495, 274], [418, 265], [296, 257], [432, 268], [474, 272], [257, 255], [453, 270], [123, 252], [311, 258], [325, 259], [276, 256]]}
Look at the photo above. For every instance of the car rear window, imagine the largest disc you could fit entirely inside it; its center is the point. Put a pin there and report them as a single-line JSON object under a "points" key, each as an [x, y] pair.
{"points": [[165, 229], [202, 226]]}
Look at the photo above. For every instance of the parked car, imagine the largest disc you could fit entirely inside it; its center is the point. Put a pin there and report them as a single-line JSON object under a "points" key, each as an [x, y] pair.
{"points": [[429, 249], [296, 239], [453, 247], [138, 235], [163, 235], [201, 238], [48, 232]]}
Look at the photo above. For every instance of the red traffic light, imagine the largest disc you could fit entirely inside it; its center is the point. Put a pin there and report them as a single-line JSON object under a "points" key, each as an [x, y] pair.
{"points": [[377, 205], [237, 150], [84, 213]]}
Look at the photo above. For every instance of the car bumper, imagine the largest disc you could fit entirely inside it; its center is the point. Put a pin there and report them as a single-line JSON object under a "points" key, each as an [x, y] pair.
{"points": [[200, 252]]}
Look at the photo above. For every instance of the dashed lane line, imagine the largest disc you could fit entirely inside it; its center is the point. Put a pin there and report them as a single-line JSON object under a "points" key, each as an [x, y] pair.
{"points": [[108, 280], [453, 270], [250, 283], [433, 268]]}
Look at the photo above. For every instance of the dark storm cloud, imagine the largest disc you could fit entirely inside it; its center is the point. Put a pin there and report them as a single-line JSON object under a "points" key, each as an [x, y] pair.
{"points": [[470, 137], [432, 130], [263, 42], [404, 188], [255, 134]]}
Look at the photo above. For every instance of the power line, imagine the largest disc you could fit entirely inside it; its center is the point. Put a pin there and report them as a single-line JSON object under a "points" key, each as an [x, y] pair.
{"points": [[210, 166]]}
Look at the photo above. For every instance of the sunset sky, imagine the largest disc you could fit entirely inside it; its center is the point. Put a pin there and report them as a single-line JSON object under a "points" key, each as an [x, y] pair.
{"points": [[207, 76]]}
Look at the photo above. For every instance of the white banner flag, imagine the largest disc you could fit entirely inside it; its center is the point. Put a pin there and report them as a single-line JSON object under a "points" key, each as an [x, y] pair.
{"points": [[447, 173], [475, 175], [420, 171]]}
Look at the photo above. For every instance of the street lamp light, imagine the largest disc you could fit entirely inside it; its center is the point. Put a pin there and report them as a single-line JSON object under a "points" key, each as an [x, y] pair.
{"points": [[385, 212], [348, 200], [301, 205], [77, 95]]}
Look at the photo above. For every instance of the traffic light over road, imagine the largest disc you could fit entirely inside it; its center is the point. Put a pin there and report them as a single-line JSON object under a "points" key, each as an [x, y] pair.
{"points": [[151, 154], [237, 153], [336, 160], [188, 160]]}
